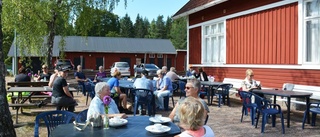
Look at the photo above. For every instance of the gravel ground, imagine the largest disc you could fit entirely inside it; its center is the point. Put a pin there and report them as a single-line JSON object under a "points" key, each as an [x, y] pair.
{"points": [[225, 121]]}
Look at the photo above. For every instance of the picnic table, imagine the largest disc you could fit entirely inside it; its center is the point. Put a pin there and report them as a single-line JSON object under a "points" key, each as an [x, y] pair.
{"points": [[19, 104], [28, 84]]}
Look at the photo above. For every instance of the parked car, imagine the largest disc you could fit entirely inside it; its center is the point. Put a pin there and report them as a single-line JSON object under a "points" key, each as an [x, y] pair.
{"points": [[64, 62], [123, 67], [151, 68]]}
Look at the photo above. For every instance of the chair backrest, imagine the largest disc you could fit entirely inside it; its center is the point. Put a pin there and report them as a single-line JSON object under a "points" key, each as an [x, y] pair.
{"points": [[223, 89], [82, 116], [174, 86], [288, 86], [261, 102], [206, 120], [182, 85], [143, 94], [52, 119], [246, 97]]}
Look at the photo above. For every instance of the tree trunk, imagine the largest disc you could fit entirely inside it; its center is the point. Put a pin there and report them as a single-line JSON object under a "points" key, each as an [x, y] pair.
{"points": [[6, 123]]}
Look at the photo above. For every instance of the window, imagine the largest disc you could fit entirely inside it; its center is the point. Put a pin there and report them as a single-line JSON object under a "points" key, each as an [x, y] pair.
{"points": [[311, 26], [213, 47], [160, 56], [151, 55]]}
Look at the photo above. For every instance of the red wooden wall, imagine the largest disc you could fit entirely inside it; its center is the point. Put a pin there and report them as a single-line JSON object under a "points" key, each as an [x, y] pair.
{"points": [[266, 37]]}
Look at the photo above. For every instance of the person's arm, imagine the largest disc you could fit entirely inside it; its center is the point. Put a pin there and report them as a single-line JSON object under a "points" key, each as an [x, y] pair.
{"points": [[173, 112], [118, 90], [66, 91], [52, 78], [166, 84]]}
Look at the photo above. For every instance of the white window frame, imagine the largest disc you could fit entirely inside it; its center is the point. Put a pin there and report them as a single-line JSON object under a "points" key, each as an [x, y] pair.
{"points": [[303, 36], [207, 47], [151, 55], [159, 55]]}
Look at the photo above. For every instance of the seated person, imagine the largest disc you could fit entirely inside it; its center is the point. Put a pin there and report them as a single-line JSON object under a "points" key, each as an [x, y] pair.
{"points": [[61, 96], [172, 74], [191, 114], [192, 90], [81, 78], [101, 74], [45, 75], [116, 92], [22, 76], [164, 87], [201, 74], [143, 83], [96, 105], [249, 83]]}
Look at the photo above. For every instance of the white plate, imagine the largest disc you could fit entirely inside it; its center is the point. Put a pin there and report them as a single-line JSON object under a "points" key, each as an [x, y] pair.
{"points": [[161, 120], [120, 122], [154, 130]]}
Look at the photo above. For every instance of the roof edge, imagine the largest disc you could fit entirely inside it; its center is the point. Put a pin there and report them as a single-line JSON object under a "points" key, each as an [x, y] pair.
{"points": [[216, 2]]}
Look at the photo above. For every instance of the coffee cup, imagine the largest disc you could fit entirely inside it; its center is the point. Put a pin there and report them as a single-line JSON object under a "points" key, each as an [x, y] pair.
{"points": [[158, 116], [158, 126]]}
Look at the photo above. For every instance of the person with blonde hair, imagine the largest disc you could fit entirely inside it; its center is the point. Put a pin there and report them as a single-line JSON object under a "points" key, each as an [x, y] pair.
{"points": [[191, 119], [116, 92], [249, 83]]}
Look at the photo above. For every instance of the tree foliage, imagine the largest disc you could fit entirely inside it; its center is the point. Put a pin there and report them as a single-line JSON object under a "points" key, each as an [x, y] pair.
{"points": [[178, 33], [35, 19], [126, 27]]}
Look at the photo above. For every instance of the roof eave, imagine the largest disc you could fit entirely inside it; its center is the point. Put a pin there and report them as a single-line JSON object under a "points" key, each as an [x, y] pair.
{"points": [[216, 2]]}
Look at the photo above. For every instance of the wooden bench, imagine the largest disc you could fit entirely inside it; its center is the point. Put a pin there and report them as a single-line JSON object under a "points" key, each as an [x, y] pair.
{"points": [[28, 84], [315, 90], [13, 98], [235, 82]]}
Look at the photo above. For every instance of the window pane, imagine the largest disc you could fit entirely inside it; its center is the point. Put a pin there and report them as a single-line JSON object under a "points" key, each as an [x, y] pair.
{"points": [[313, 8], [215, 49], [222, 49], [312, 40], [206, 32], [221, 27]]}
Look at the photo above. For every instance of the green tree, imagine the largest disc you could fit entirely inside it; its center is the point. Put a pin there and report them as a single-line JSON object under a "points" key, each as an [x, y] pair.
{"points": [[6, 123], [152, 31], [168, 27], [178, 33], [160, 28], [126, 27], [139, 28], [35, 19], [146, 25]]}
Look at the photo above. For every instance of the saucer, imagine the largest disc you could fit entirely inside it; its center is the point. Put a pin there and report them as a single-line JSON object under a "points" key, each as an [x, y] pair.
{"points": [[160, 120], [154, 130], [115, 123]]}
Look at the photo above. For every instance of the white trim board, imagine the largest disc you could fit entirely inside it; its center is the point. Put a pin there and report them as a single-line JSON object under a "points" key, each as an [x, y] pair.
{"points": [[306, 67], [270, 6]]}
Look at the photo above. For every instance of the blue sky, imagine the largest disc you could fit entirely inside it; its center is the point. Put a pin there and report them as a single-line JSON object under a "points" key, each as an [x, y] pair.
{"points": [[149, 8]]}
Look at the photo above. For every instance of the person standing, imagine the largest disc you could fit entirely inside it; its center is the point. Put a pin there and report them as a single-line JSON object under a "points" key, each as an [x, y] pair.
{"points": [[81, 78]]}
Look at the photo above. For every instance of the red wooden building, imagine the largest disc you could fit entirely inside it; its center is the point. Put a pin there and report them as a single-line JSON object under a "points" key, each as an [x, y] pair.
{"points": [[92, 52], [278, 39]]}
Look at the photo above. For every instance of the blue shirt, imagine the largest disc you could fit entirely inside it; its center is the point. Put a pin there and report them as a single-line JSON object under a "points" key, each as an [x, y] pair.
{"points": [[143, 83], [97, 106], [113, 82], [165, 81]]}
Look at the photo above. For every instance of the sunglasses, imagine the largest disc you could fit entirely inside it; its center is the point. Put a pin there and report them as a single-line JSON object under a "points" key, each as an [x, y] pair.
{"points": [[189, 88], [44, 68]]}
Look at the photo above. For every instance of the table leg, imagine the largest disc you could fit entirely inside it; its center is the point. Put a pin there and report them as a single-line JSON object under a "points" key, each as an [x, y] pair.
{"points": [[28, 98], [307, 109], [274, 99], [288, 111]]}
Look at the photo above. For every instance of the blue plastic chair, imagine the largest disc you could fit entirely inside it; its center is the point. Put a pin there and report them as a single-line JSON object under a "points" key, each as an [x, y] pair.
{"points": [[52, 119], [144, 96], [314, 111], [182, 86], [267, 109], [247, 104], [82, 116], [89, 87], [222, 91]]}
